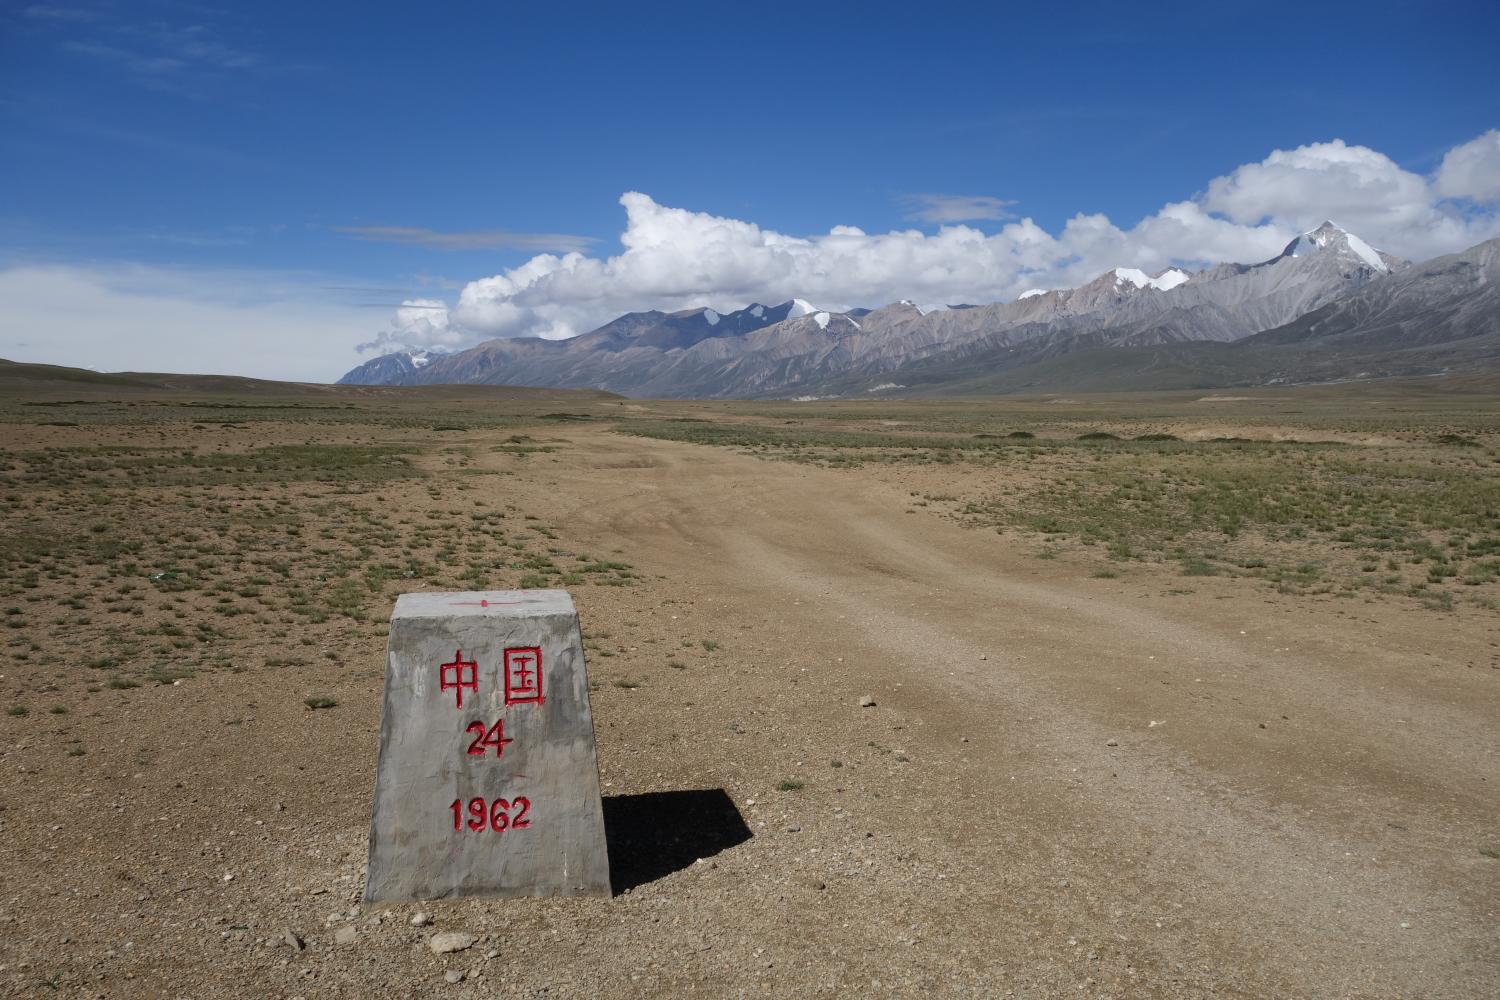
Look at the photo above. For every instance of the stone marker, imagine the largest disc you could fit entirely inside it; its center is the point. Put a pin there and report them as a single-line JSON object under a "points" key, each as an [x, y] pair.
{"points": [[487, 782]]}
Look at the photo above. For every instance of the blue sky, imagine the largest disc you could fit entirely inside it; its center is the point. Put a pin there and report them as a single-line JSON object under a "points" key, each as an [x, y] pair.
{"points": [[332, 160]]}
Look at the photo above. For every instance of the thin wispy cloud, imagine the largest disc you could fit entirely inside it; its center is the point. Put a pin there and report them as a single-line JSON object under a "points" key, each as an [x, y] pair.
{"points": [[474, 239], [136, 62], [190, 59], [943, 208], [57, 12]]}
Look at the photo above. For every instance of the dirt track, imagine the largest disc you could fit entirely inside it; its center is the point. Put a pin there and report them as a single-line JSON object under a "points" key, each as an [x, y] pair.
{"points": [[1089, 787], [1301, 818]]}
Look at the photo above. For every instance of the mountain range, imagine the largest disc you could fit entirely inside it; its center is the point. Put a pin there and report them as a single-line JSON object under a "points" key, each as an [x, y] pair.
{"points": [[1328, 306]]}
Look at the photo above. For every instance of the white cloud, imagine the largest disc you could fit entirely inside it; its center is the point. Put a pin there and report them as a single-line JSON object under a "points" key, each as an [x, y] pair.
{"points": [[677, 259], [422, 322], [136, 318], [1472, 170], [284, 326], [1361, 189]]}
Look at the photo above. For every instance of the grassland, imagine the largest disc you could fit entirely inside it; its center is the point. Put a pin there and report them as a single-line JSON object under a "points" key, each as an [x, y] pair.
{"points": [[1310, 496], [1107, 696], [206, 550]]}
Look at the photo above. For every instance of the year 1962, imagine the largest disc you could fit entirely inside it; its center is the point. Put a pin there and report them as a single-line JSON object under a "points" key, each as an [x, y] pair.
{"points": [[499, 815]]}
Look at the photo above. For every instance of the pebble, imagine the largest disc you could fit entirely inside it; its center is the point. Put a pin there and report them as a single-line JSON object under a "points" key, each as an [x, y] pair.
{"points": [[293, 941], [867, 701], [420, 919], [345, 935], [450, 941], [454, 975], [1112, 743]]}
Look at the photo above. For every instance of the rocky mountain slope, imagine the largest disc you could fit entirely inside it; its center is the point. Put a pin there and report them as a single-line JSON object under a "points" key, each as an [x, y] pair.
{"points": [[796, 350], [1439, 317]]}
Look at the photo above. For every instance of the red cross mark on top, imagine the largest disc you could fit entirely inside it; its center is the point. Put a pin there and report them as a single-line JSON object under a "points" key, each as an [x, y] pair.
{"points": [[523, 675], [459, 674]]}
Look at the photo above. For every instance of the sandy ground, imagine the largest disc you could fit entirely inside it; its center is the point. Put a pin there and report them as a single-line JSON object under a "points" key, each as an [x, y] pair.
{"points": [[1067, 786]]}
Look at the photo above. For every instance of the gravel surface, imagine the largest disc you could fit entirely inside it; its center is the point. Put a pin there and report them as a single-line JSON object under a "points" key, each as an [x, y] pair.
{"points": [[845, 749]]}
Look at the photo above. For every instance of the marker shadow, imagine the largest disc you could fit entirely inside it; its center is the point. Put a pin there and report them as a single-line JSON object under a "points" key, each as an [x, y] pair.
{"points": [[655, 834]]}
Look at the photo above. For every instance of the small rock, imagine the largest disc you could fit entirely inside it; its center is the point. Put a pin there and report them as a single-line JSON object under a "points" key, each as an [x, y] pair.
{"points": [[293, 941], [794, 829], [454, 975], [450, 941], [1112, 743], [867, 701], [345, 935], [490, 956], [420, 920]]}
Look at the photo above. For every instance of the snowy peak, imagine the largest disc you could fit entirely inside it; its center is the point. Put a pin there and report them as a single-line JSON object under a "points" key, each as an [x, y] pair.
{"points": [[1329, 237], [1163, 282], [801, 307]]}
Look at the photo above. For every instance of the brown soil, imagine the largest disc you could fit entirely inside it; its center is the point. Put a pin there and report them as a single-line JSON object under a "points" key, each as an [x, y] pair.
{"points": [[1067, 786]]}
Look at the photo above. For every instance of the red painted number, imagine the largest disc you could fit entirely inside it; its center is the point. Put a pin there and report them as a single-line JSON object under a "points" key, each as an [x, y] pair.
{"points": [[496, 815], [484, 738]]}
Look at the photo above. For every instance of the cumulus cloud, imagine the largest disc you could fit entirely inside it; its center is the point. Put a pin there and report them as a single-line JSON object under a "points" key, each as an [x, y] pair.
{"points": [[956, 207], [1362, 190], [1472, 170], [673, 258], [422, 322]]}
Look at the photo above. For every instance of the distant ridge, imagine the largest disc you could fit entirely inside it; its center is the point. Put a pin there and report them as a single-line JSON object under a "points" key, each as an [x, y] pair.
{"points": [[796, 349]]}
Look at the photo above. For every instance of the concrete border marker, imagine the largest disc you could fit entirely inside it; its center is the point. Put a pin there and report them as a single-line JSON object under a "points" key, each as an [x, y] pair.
{"points": [[488, 780]]}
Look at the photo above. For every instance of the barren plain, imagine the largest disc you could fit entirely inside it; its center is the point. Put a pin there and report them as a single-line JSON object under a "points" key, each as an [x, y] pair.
{"points": [[1187, 695]]}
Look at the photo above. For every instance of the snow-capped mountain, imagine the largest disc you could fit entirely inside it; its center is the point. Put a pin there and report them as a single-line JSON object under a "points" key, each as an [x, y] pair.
{"points": [[797, 348], [389, 369]]}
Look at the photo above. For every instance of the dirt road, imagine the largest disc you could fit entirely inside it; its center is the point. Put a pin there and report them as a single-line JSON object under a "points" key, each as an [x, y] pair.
{"points": [[1240, 792], [1066, 785]]}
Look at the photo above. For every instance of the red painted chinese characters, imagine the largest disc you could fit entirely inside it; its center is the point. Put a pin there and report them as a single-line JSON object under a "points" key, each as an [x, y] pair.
{"points": [[523, 675], [458, 675], [521, 671]]}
